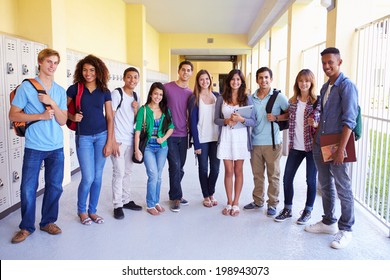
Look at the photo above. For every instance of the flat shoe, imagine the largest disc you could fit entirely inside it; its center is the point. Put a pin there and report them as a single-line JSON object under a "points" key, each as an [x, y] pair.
{"points": [[235, 211], [86, 221], [226, 210], [153, 211], [207, 203], [96, 219], [159, 208], [214, 202]]}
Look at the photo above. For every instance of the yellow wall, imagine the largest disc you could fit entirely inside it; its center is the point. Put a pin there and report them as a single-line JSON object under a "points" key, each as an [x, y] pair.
{"points": [[97, 27], [151, 58], [135, 26], [8, 21]]}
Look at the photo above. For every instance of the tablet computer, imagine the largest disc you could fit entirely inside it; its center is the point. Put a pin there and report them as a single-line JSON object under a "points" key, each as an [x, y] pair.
{"points": [[244, 111]]}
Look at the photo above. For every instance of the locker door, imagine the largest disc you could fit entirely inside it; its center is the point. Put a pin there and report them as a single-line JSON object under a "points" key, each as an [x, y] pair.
{"points": [[4, 97], [70, 67], [74, 162], [5, 201], [26, 60], [37, 48], [15, 174], [3, 123], [11, 80]]}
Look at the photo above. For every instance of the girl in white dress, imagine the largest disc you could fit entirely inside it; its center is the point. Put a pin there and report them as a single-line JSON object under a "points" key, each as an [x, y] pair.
{"points": [[234, 143]]}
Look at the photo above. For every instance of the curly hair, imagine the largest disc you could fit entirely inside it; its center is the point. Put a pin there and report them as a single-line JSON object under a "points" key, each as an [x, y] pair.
{"points": [[227, 92], [100, 69]]}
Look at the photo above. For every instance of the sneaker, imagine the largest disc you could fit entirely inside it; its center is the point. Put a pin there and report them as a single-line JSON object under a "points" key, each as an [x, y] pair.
{"points": [[20, 236], [271, 211], [184, 202], [118, 213], [304, 218], [320, 227], [51, 229], [283, 215], [341, 239], [252, 205], [132, 206], [176, 205]]}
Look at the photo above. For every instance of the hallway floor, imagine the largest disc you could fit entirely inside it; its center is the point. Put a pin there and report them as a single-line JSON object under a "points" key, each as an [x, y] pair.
{"points": [[195, 233]]}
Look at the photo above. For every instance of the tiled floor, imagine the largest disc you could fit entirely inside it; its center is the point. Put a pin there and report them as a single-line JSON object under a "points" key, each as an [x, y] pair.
{"points": [[196, 233]]}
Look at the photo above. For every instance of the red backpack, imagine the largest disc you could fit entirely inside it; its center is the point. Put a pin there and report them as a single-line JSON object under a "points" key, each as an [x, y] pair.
{"points": [[21, 127], [75, 106]]}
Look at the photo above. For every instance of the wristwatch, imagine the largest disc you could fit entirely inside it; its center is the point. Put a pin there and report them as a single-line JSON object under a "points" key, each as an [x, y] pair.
{"points": [[276, 118]]}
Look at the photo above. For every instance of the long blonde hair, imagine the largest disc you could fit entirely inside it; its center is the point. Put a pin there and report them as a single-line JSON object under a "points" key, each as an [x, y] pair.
{"points": [[312, 91]]}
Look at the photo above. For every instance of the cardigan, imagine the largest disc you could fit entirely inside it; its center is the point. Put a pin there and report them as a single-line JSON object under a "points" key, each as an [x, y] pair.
{"points": [[150, 123], [249, 122]]}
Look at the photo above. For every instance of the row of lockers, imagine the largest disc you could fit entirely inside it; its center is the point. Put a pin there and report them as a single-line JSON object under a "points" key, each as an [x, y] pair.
{"points": [[18, 59]]}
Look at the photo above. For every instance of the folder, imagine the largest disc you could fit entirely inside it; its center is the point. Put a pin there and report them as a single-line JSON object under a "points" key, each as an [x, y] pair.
{"points": [[330, 142]]}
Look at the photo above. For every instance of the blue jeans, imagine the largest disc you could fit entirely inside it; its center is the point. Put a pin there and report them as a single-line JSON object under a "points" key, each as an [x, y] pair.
{"points": [[294, 160], [177, 154], [154, 159], [208, 181], [335, 179], [92, 160], [54, 174]]}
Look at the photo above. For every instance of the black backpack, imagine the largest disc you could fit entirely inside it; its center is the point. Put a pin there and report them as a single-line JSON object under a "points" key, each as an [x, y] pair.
{"points": [[268, 108], [121, 93]]}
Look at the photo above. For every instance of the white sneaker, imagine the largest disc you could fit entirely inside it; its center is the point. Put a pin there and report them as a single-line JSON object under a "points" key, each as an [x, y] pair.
{"points": [[320, 227], [341, 239]]}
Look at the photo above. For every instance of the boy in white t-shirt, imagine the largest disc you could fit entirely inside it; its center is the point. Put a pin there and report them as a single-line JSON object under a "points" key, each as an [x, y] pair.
{"points": [[125, 107]]}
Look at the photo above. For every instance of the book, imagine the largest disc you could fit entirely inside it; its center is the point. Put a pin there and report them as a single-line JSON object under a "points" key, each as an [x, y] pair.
{"points": [[334, 139], [328, 150]]}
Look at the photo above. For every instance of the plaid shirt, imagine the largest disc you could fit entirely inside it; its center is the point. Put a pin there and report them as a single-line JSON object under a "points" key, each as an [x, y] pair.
{"points": [[308, 130]]}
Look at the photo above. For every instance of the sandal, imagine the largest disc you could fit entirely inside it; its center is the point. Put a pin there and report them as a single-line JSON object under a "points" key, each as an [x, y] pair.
{"points": [[235, 211], [226, 210], [96, 219], [85, 220], [214, 202], [160, 208], [207, 203], [153, 211]]}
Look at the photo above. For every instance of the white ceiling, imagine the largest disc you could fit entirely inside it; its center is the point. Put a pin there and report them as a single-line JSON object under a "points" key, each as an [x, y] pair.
{"points": [[251, 17]]}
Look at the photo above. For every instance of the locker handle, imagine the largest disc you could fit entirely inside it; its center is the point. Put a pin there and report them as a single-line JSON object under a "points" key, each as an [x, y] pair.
{"points": [[10, 68], [24, 69], [1, 183], [15, 176]]}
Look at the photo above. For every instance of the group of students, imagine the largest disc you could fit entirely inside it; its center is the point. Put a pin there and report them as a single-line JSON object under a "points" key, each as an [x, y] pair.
{"points": [[175, 116]]}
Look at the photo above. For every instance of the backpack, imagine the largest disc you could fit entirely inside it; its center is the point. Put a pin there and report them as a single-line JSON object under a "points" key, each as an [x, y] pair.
{"points": [[75, 107], [359, 126], [21, 127], [268, 108], [121, 93]]}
